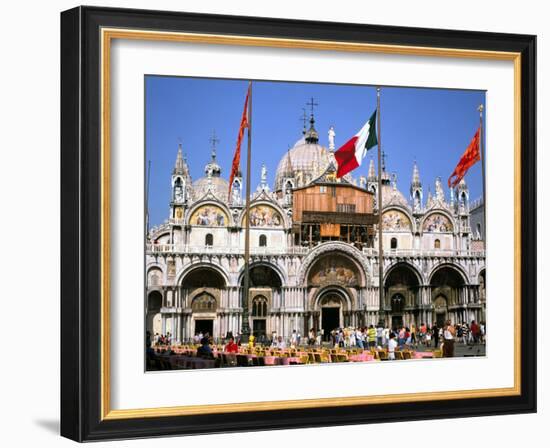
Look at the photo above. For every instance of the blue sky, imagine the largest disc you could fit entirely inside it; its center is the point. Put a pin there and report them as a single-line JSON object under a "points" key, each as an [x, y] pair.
{"points": [[431, 126]]}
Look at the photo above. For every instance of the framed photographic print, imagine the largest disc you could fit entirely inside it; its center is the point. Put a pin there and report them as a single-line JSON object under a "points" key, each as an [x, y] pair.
{"points": [[275, 224]]}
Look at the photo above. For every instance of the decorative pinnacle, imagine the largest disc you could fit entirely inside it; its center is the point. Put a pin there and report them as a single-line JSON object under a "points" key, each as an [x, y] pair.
{"points": [[480, 109], [416, 174]]}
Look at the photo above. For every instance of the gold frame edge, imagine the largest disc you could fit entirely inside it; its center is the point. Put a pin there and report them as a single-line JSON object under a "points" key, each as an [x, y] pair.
{"points": [[107, 35]]}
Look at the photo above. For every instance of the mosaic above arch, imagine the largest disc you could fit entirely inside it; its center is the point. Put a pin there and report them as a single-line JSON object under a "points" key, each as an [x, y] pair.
{"points": [[437, 222], [334, 269], [209, 216], [264, 216], [395, 220]]}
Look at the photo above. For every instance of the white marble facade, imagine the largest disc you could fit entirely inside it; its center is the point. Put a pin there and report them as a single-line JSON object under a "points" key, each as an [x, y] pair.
{"points": [[434, 268]]}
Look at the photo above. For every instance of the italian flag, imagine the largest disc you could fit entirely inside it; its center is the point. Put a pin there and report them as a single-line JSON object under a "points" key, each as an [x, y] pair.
{"points": [[351, 154]]}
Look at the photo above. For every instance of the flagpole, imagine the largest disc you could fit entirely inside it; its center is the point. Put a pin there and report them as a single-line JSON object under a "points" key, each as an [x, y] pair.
{"points": [[245, 327], [379, 191], [482, 146], [147, 196]]}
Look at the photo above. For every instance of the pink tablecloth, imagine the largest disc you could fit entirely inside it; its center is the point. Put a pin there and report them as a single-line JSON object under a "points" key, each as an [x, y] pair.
{"points": [[420, 355], [363, 357]]}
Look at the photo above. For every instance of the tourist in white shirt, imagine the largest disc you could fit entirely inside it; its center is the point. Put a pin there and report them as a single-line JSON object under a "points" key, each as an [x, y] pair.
{"points": [[392, 344], [385, 336], [359, 338], [294, 339]]}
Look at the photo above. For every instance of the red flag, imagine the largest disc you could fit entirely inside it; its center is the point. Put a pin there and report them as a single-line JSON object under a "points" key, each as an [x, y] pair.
{"points": [[470, 157], [237, 157]]}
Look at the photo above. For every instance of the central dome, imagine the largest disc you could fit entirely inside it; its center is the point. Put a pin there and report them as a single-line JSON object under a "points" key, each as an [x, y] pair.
{"points": [[218, 186], [305, 162], [212, 181]]}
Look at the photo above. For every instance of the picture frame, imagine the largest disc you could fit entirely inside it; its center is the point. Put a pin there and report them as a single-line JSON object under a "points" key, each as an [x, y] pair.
{"points": [[86, 37]]}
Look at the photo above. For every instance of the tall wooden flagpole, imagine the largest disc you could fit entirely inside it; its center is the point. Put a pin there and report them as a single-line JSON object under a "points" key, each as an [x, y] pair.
{"points": [[379, 191], [482, 152], [245, 327]]}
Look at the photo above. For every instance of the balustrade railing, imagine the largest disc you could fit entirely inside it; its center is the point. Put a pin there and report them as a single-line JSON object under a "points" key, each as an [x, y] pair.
{"points": [[299, 250]]}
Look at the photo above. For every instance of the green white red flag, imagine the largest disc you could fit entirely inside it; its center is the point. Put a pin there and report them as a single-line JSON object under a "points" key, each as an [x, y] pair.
{"points": [[351, 154]]}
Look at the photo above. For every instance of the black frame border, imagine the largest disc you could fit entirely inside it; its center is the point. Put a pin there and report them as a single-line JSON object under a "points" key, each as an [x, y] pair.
{"points": [[81, 223]]}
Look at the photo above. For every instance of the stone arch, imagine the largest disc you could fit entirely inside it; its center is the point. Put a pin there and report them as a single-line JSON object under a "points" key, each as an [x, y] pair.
{"points": [[194, 267], [277, 281], [344, 249], [154, 300], [402, 278], [460, 271], [333, 305], [406, 265], [345, 296], [153, 319], [438, 211], [448, 281], [159, 235], [155, 277]]}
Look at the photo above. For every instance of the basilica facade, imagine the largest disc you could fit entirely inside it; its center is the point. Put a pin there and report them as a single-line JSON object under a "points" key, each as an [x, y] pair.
{"points": [[313, 251]]}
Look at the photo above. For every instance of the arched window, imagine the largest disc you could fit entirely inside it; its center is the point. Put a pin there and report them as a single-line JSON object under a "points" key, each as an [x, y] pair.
{"points": [[393, 243], [437, 244], [209, 239], [259, 306], [263, 241]]}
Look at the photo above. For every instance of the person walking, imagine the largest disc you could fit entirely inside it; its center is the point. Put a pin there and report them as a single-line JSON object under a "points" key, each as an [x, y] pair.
{"points": [[359, 338], [449, 333], [435, 334], [380, 334], [474, 329], [385, 336], [293, 339], [392, 344], [372, 336]]}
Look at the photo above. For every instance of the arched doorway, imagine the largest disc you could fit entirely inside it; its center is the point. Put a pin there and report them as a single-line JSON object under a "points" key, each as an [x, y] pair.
{"points": [[265, 285], [204, 308], [397, 303], [202, 291], [401, 295], [447, 285], [333, 281], [154, 320], [440, 310], [332, 306]]}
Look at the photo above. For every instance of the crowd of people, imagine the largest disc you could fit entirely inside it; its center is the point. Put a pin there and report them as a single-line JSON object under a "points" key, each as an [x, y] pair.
{"points": [[380, 336]]}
